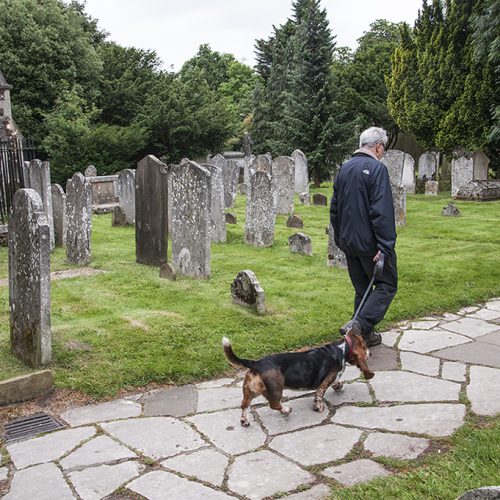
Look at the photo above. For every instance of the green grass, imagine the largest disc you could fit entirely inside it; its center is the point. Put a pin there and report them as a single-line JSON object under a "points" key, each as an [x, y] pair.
{"points": [[142, 329]]}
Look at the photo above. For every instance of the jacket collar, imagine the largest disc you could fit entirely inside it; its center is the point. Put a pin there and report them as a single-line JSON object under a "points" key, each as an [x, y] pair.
{"points": [[366, 152]]}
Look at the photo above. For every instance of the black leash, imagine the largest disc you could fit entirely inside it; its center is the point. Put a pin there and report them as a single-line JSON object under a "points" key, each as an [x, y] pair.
{"points": [[363, 300]]}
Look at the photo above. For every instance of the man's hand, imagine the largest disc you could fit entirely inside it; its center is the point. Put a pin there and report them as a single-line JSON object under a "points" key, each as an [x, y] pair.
{"points": [[379, 264]]}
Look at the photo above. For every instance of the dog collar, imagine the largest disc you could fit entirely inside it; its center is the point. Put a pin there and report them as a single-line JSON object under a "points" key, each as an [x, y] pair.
{"points": [[348, 342]]}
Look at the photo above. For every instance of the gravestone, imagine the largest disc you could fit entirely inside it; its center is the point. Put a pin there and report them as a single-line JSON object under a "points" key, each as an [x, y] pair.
{"points": [[260, 211], [431, 188], [247, 143], [335, 257], [191, 233], [170, 170], [118, 217], [79, 220], [90, 171], [37, 177], [247, 291], [427, 165], [217, 216], [283, 173], [399, 202], [230, 218], [320, 199], [59, 215], [246, 168], [409, 174], [401, 168], [126, 190], [230, 176], [262, 163], [450, 210], [243, 189], [29, 279], [151, 212], [467, 168], [301, 172], [300, 243], [105, 193], [480, 191], [294, 221], [304, 198]]}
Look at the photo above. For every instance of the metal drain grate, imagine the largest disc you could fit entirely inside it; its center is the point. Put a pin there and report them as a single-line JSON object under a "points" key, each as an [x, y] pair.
{"points": [[30, 426]]}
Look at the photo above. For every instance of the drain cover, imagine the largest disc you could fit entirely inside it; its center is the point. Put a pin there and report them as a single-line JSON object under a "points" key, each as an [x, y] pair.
{"points": [[30, 426]]}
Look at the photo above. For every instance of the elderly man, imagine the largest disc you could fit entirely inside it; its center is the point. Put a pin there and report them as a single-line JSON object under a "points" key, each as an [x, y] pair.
{"points": [[362, 217]]}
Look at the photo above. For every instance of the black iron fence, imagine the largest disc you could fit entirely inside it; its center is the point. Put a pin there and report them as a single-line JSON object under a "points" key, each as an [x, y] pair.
{"points": [[12, 155]]}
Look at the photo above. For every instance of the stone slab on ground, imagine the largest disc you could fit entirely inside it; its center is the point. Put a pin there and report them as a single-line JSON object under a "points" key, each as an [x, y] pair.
{"points": [[156, 437], [483, 386], [425, 341], [383, 358], [4, 473], [218, 398], [318, 492], [478, 353], [470, 327], [174, 402], [112, 410], [25, 387], [47, 448], [351, 372], [419, 363], [493, 304], [386, 444], [357, 392], [44, 482], [486, 314], [390, 338], [490, 338], [433, 419], [207, 465], [400, 386], [280, 475], [211, 384], [453, 371], [484, 493], [424, 325], [358, 471], [98, 482], [224, 430], [100, 450], [317, 445], [154, 486]]}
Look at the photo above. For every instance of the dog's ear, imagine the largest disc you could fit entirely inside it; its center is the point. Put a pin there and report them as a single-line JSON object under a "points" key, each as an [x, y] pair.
{"points": [[359, 351]]}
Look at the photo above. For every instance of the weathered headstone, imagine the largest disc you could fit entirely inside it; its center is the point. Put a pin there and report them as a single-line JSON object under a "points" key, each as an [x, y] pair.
{"points": [[304, 198], [59, 215], [230, 176], [467, 168], [399, 201], [170, 170], [29, 279], [191, 233], [151, 212], [450, 210], [243, 189], [480, 191], [37, 177], [247, 291], [401, 168], [90, 171], [79, 220], [230, 218], [409, 174], [260, 212], [320, 199], [300, 243], [262, 163], [301, 172], [167, 272], [247, 143], [126, 190], [283, 172], [483, 493], [431, 188], [336, 257], [246, 168], [118, 217], [217, 216], [294, 221], [427, 165]]}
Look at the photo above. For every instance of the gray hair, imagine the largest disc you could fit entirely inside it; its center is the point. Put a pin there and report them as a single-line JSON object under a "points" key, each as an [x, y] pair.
{"points": [[372, 136]]}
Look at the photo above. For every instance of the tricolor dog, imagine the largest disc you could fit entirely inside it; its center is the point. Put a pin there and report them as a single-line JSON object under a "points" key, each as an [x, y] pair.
{"points": [[316, 368]]}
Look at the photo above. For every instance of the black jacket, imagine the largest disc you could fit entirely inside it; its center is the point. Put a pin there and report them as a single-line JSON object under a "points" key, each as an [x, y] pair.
{"points": [[362, 211]]}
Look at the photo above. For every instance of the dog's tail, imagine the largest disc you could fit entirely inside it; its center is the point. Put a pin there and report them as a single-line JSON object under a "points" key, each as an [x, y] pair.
{"points": [[232, 358]]}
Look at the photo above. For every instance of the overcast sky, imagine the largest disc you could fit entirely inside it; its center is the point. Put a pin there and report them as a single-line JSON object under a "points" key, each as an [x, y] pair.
{"points": [[176, 28]]}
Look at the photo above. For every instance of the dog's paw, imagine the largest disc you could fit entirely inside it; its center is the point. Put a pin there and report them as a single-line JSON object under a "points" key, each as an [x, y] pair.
{"points": [[286, 410], [319, 406], [245, 423], [338, 386]]}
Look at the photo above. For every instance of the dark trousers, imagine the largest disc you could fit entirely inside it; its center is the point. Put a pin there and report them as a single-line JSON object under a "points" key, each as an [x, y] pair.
{"points": [[380, 297]]}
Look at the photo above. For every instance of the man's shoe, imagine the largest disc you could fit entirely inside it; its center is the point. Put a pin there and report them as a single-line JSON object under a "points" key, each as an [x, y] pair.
{"points": [[350, 325], [372, 338]]}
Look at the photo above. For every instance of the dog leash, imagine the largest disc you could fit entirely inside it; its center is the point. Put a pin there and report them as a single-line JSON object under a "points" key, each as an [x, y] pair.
{"points": [[363, 300]]}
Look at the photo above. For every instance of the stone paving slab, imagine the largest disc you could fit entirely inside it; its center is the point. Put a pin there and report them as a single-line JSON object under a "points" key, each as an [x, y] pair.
{"points": [[4, 473], [450, 316], [154, 486], [317, 445], [470, 327], [467, 310], [419, 363], [113, 410], [484, 390], [358, 471], [97, 451], [174, 402], [224, 430], [493, 304], [490, 338], [318, 492], [97, 482], [47, 448], [425, 341], [350, 373], [433, 419], [389, 338], [207, 465], [424, 325], [478, 353], [357, 392], [290, 394], [156, 437], [453, 371], [486, 314], [220, 398], [212, 384], [400, 386], [383, 358], [43, 482], [386, 444], [280, 475]]}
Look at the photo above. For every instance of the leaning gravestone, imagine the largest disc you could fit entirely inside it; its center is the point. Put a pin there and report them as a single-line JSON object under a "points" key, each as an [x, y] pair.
{"points": [[401, 168], [191, 233], [230, 176], [118, 217], [427, 165], [37, 177], [230, 218], [79, 219], [304, 198], [300, 243], [59, 215], [261, 209], [431, 188], [301, 172], [294, 221], [90, 171], [151, 212], [126, 188], [283, 172], [247, 291], [217, 217], [29, 279], [336, 257], [320, 199]]}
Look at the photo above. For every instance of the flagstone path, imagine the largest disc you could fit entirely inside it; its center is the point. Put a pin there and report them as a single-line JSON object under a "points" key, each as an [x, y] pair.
{"points": [[187, 442]]}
